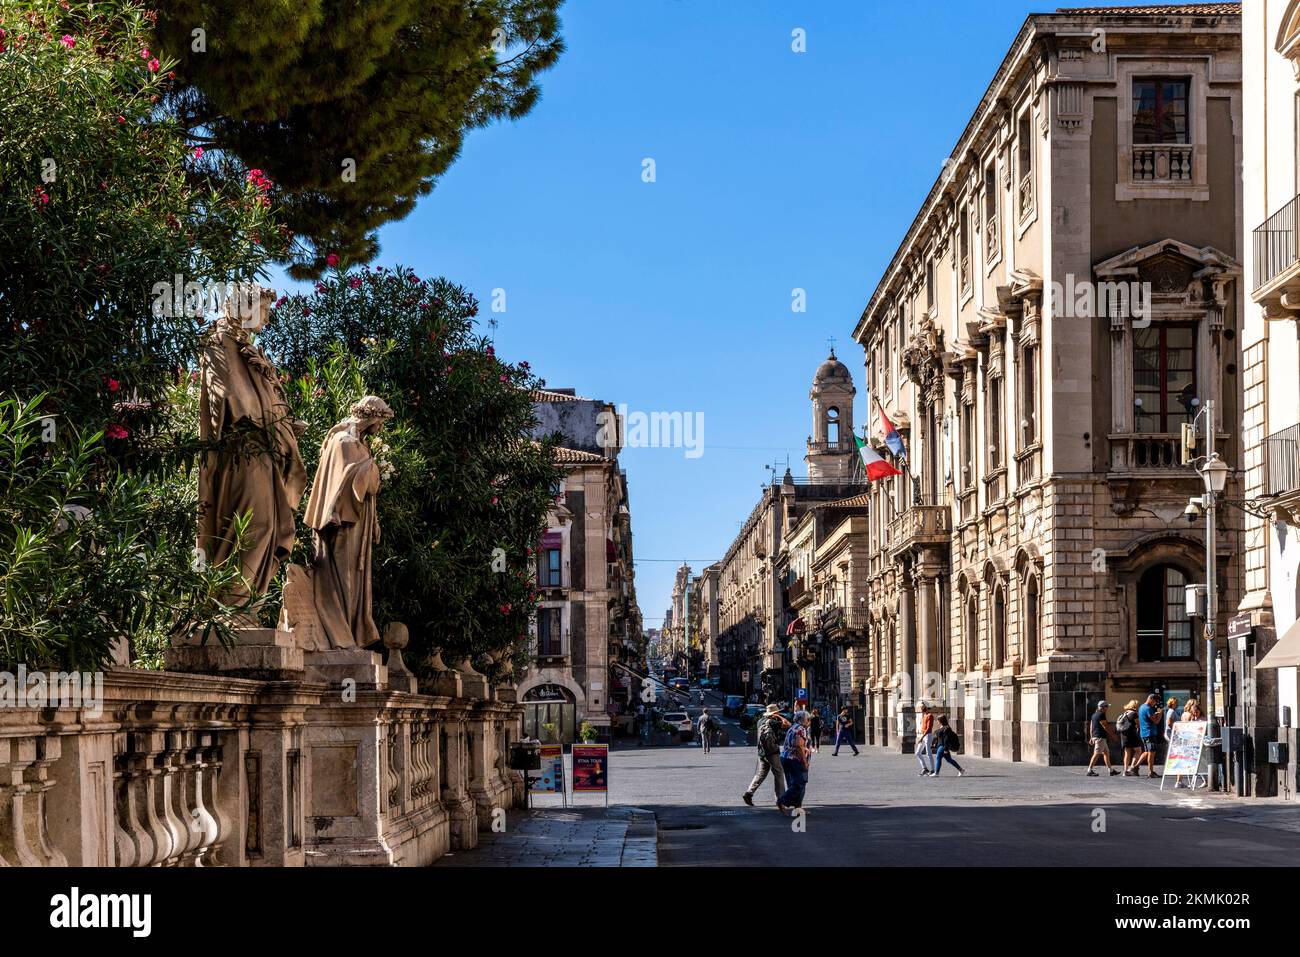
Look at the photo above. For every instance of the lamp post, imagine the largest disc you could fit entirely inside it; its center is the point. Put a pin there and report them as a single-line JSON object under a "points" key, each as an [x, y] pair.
{"points": [[1214, 473]]}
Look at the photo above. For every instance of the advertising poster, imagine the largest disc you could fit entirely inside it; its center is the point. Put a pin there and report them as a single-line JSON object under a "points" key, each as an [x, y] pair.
{"points": [[1185, 745], [550, 778], [590, 768]]}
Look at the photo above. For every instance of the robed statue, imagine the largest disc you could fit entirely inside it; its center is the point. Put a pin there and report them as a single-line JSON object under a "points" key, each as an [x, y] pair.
{"points": [[251, 465], [341, 513]]}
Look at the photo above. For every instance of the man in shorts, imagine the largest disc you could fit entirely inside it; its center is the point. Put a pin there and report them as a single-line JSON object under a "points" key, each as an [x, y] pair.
{"points": [[1099, 733]]}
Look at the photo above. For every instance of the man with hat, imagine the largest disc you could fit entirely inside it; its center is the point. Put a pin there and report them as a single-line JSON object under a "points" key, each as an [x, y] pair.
{"points": [[1100, 734], [771, 727]]}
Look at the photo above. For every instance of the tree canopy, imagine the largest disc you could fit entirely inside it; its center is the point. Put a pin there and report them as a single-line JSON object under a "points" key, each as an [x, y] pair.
{"points": [[354, 110]]}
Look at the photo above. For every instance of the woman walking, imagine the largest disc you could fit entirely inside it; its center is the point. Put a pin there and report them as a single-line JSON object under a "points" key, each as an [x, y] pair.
{"points": [[945, 742], [815, 730], [1127, 726], [794, 761]]}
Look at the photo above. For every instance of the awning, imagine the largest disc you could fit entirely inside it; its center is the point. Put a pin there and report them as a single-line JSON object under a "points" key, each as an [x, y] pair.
{"points": [[1286, 653], [795, 627]]}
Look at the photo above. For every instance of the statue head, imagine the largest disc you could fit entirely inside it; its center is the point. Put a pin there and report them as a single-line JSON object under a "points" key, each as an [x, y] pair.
{"points": [[249, 306], [370, 414]]}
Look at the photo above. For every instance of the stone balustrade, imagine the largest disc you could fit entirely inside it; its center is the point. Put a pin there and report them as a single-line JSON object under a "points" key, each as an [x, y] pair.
{"points": [[199, 770]]}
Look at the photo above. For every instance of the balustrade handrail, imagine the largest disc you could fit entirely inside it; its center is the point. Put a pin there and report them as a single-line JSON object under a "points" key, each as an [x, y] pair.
{"points": [[1282, 459], [1276, 244]]}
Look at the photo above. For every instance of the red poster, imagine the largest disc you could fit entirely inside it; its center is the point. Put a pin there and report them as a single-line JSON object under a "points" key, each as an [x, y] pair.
{"points": [[591, 767]]}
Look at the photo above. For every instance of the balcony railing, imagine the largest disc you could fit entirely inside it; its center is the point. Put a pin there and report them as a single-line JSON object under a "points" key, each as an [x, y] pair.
{"points": [[1146, 450], [798, 588], [1162, 163], [920, 524], [1282, 455], [1275, 244]]}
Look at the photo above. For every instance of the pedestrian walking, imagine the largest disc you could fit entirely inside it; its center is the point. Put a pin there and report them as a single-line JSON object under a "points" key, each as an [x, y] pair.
{"points": [[1129, 738], [706, 727], [925, 741], [815, 730], [1148, 730], [1100, 734], [771, 732], [844, 732], [795, 758], [945, 743]]}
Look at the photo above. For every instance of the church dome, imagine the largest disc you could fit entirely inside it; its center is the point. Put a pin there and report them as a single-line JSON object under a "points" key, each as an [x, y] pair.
{"points": [[832, 370]]}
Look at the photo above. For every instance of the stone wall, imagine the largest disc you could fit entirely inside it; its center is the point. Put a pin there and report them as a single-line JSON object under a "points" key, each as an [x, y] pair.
{"points": [[202, 770]]}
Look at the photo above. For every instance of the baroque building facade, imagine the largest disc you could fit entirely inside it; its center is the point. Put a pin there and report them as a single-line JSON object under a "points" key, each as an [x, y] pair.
{"points": [[1066, 298], [587, 621]]}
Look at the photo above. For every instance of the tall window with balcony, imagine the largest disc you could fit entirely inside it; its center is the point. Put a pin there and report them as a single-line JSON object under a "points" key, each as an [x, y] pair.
{"points": [[550, 638], [1164, 631], [966, 485], [1161, 148], [1164, 377], [1024, 165], [1027, 413], [929, 285], [993, 432], [963, 249], [991, 238], [550, 568]]}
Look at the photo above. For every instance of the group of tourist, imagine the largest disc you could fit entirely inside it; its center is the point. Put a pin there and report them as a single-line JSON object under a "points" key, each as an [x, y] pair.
{"points": [[785, 750], [1139, 732]]}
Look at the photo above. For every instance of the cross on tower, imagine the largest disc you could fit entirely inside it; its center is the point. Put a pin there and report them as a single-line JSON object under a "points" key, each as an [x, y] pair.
{"points": [[831, 340]]}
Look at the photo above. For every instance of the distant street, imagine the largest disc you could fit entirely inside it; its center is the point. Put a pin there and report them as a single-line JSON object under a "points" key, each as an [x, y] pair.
{"points": [[875, 810]]}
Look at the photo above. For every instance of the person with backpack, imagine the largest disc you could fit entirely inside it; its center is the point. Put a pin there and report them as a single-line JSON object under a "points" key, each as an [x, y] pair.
{"points": [[1129, 738], [707, 724], [795, 758], [771, 730], [1101, 735], [945, 743], [844, 732]]}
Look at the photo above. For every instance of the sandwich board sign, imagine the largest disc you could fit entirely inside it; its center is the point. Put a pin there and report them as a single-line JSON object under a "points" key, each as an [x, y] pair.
{"points": [[550, 779], [591, 769], [1185, 746]]}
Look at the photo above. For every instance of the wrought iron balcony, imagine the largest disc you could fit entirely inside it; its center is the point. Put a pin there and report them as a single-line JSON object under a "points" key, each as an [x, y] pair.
{"points": [[1282, 456], [1276, 245]]}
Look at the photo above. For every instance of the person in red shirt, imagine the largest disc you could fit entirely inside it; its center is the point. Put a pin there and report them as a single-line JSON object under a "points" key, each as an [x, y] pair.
{"points": [[925, 741]]}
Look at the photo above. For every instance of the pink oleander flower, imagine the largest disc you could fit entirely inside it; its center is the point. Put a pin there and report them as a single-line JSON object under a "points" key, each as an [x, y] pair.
{"points": [[144, 54], [505, 609], [112, 384], [505, 378], [116, 431], [320, 287], [67, 41], [153, 66], [494, 499], [354, 282], [281, 301], [332, 260], [198, 152], [41, 197], [307, 311]]}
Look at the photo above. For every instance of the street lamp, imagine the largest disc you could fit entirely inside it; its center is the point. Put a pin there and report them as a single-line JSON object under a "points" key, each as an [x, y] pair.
{"points": [[1214, 474]]}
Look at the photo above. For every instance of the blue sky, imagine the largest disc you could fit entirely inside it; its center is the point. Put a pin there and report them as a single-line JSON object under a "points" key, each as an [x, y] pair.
{"points": [[774, 170]]}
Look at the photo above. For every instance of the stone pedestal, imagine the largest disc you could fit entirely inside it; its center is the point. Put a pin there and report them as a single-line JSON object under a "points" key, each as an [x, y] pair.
{"points": [[345, 777], [444, 684], [267, 654], [335, 666]]}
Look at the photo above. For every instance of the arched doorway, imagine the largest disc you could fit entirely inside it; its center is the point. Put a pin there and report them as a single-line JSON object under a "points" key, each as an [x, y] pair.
{"points": [[550, 714]]}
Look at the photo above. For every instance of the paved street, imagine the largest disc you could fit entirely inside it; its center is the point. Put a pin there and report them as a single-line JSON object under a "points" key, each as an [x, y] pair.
{"points": [[874, 810]]}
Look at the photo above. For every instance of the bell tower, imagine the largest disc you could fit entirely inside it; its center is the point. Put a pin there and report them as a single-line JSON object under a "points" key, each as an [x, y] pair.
{"points": [[831, 449]]}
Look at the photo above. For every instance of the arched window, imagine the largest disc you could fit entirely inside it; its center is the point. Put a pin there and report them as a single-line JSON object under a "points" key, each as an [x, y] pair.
{"points": [[999, 637], [832, 426], [1032, 615], [1163, 629], [972, 633]]}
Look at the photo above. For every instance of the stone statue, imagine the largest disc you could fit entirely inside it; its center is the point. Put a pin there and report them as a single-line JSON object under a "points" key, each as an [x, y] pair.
{"points": [[259, 470], [341, 513]]}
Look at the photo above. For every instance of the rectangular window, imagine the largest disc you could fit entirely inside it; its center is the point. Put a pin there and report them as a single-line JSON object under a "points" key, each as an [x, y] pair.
{"points": [[929, 285], [1025, 164], [887, 363], [991, 238], [549, 636], [963, 247], [1160, 110], [551, 577], [968, 446], [994, 426], [1028, 383], [1164, 377]]}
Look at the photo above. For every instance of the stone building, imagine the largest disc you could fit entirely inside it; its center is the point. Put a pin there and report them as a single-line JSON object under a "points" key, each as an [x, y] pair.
{"points": [[1270, 608], [1066, 298], [585, 576], [754, 653]]}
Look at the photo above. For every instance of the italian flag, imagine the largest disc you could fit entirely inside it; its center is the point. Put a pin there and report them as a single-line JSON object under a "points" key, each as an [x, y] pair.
{"points": [[877, 468]]}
